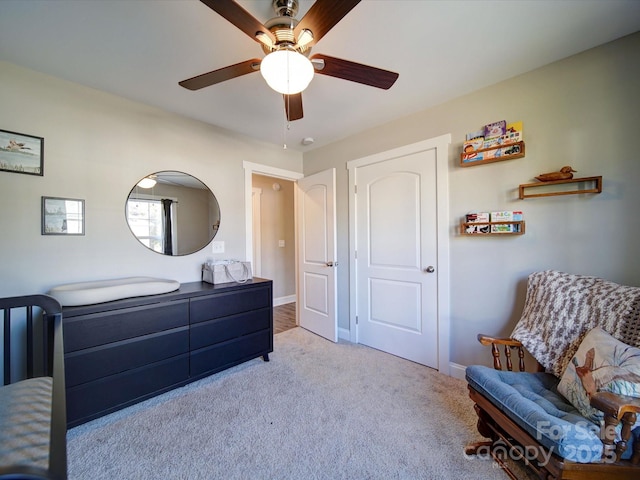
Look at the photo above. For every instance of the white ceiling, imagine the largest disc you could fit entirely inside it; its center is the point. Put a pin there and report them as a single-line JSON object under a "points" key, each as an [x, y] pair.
{"points": [[140, 49]]}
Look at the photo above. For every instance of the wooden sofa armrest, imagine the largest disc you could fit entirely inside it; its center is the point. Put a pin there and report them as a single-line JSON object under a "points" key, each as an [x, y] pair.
{"points": [[616, 409], [508, 343], [488, 340]]}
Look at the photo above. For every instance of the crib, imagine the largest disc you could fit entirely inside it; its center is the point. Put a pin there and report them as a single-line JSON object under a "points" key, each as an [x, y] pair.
{"points": [[33, 423]]}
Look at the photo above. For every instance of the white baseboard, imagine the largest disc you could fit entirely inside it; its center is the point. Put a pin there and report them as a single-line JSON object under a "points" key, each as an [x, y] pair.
{"points": [[344, 334], [456, 370], [283, 300]]}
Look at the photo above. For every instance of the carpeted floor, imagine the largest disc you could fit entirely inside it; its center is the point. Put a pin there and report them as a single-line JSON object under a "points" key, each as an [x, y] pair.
{"points": [[317, 410]]}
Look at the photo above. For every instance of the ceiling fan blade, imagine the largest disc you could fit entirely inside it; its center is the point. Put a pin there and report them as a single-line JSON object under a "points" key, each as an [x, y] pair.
{"points": [[222, 74], [355, 72], [323, 16], [293, 106], [239, 17]]}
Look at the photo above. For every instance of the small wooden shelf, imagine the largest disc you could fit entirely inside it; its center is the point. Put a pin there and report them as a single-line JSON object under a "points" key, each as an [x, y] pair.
{"points": [[597, 187], [518, 146], [464, 225]]}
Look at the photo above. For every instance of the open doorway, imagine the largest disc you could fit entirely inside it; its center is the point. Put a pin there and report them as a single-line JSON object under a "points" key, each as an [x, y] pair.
{"points": [[255, 201], [273, 212]]}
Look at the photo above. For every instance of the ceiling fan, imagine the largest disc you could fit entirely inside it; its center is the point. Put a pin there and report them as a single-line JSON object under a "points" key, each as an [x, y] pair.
{"points": [[287, 43]]}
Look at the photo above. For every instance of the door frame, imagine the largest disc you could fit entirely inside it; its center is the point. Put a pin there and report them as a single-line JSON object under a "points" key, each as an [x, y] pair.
{"points": [[256, 233], [441, 144], [249, 169]]}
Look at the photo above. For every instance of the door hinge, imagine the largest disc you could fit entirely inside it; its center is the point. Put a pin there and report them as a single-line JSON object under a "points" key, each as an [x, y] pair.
{"points": [[356, 319], [355, 254], [356, 189]]}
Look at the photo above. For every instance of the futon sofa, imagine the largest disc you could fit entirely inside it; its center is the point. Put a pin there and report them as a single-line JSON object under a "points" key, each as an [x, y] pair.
{"points": [[576, 416]]}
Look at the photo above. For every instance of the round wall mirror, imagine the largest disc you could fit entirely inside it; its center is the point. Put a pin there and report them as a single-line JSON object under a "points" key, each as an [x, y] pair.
{"points": [[172, 213]]}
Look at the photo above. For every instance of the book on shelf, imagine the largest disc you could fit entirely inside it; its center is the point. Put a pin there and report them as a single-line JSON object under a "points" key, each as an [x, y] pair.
{"points": [[480, 217], [496, 153], [492, 142], [495, 129], [474, 141], [472, 157], [473, 135], [496, 139], [506, 216], [514, 133], [502, 151]]}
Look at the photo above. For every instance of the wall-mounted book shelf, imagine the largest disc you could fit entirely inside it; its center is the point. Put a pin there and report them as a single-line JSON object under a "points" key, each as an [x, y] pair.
{"points": [[596, 187], [518, 230], [497, 153]]}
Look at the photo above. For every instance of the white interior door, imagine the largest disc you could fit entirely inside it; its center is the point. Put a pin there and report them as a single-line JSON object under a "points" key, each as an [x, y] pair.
{"points": [[317, 265], [396, 262]]}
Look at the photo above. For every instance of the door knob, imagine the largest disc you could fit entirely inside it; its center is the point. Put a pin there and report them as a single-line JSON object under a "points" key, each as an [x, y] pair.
{"points": [[429, 269], [331, 264]]}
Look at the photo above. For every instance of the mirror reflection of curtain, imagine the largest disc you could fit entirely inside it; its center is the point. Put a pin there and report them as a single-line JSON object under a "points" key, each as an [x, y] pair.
{"points": [[167, 241]]}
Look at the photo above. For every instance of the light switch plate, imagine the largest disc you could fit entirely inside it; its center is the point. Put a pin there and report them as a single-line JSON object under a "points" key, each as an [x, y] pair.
{"points": [[217, 246], [281, 243]]}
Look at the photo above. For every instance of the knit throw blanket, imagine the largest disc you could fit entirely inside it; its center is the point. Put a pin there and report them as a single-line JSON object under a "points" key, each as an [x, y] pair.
{"points": [[561, 308]]}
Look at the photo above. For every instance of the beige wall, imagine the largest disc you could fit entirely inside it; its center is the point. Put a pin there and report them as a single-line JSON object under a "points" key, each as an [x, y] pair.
{"points": [[277, 223], [97, 146], [581, 111]]}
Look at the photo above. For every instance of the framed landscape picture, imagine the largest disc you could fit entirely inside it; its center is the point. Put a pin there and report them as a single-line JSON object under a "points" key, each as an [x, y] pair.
{"points": [[62, 216], [21, 153]]}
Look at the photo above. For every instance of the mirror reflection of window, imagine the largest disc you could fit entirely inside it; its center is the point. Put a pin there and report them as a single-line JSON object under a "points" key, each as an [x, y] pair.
{"points": [[145, 217]]}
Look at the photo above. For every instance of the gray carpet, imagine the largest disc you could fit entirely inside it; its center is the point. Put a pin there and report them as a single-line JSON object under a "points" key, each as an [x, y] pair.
{"points": [[317, 410]]}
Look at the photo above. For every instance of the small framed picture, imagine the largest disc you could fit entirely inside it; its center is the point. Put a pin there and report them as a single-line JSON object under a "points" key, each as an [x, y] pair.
{"points": [[62, 216], [21, 153]]}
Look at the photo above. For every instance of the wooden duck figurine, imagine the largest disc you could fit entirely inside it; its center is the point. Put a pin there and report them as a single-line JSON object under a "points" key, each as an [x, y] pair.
{"points": [[565, 173]]}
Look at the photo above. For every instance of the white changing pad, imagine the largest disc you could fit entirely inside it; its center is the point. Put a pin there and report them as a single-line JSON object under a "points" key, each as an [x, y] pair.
{"points": [[87, 293]]}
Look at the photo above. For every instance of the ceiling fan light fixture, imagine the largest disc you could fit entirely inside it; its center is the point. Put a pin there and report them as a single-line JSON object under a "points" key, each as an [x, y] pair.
{"points": [[287, 71], [147, 182], [305, 37]]}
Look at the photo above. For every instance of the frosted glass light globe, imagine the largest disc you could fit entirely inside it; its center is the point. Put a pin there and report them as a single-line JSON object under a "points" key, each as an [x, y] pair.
{"points": [[287, 71]]}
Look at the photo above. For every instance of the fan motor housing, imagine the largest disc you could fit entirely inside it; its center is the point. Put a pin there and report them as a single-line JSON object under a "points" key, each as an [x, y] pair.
{"points": [[283, 26], [285, 8]]}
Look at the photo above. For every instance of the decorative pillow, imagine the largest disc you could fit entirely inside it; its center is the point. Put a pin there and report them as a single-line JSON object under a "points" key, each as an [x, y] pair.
{"points": [[601, 363]]}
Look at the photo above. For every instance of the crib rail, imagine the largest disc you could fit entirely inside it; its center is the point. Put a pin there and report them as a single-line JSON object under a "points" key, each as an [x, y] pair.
{"points": [[43, 354]]}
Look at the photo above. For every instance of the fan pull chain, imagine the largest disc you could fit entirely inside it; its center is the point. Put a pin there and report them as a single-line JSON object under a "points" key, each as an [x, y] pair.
{"points": [[286, 125]]}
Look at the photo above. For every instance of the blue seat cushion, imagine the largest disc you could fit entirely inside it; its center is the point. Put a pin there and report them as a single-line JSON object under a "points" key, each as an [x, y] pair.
{"points": [[532, 401]]}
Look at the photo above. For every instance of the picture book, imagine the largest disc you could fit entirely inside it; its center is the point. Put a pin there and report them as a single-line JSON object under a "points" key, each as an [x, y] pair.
{"points": [[492, 142], [513, 133], [472, 157], [475, 135], [478, 217], [495, 129], [473, 145]]}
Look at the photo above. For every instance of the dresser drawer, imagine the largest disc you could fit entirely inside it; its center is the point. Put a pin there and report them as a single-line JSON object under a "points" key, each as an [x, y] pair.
{"points": [[94, 399], [225, 304], [224, 355], [95, 329], [93, 363], [222, 329]]}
